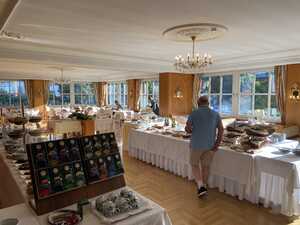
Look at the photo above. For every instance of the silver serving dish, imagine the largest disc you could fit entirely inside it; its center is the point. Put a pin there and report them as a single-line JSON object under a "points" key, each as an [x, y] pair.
{"points": [[284, 150]]}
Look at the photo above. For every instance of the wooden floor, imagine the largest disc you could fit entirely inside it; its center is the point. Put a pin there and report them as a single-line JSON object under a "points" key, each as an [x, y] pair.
{"points": [[177, 196]]}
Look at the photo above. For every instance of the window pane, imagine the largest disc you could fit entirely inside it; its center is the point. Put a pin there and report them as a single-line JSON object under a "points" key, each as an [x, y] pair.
{"points": [[274, 111], [272, 82], [227, 84], [51, 100], [246, 83], [66, 88], [77, 99], [77, 88], [15, 100], [93, 100], [85, 99], [14, 87], [215, 85], [4, 100], [66, 99], [262, 82], [58, 100], [4, 87], [57, 90], [215, 102], [205, 85], [261, 103], [245, 105], [227, 104]]}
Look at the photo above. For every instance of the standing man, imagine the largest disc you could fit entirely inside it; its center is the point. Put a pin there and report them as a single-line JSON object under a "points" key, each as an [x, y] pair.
{"points": [[207, 131]]}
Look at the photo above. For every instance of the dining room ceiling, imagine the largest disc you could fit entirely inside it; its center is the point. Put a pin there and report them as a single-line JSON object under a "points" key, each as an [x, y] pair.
{"points": [[122, 39]]}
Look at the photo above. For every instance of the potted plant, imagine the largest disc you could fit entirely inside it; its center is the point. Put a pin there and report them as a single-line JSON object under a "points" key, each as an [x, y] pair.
{"points": [[87, 122]]}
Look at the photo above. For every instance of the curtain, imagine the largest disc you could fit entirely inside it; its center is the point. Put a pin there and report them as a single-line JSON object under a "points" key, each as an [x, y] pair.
{"points": [[101, 90], [46, 91], [196, 90], [280, 87], [137, 95], [29, 92]]}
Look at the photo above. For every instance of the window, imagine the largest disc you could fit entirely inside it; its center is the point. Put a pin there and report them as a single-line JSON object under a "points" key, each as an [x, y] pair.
{"points": [[149, 88], [219, 91], [257, 93], [72, 93], [12, 93], [117, 91], [242, 93], [85, 94], [59, 94]]}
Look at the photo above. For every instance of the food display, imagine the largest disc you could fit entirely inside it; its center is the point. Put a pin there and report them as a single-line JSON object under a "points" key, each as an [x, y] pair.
{"points": [[64, 217], [119, 205], [244, 137], [102, 157], [63, 165]]}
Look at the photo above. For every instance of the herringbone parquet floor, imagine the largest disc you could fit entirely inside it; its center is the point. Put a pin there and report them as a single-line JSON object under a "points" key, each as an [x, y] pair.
{"points": [[177, 196]]}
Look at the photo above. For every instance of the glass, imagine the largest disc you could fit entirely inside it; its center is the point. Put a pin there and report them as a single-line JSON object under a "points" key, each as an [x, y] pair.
{"points": [[66, 88], [273, 90], [58, 100], [15, 100], [85, 99], [274, 110], [77, 88], [204, 85], [227, 84], [215, 102], [77, 99], [262, 82], [215, 85], [4, 87], [57, 90], [4, 100], [261, 103], [245, 105], [66, 99], [227, 104], [246, 83]]}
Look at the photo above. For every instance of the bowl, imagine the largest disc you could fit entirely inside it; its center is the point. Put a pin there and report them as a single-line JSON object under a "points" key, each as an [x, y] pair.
{"points": [[61, 217], [18, 120], [284, 150], [297, 151]]}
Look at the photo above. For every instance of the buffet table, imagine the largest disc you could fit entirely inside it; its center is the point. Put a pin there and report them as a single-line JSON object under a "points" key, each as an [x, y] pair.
{"points": [[155, 216], [268, 176]]}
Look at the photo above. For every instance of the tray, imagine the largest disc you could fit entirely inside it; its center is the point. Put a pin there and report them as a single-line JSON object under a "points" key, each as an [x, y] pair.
{"points": [[144, 206]]}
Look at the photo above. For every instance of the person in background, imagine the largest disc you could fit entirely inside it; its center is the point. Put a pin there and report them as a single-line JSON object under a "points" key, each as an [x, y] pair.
{"points": [[118, 106], [153, 105], [206, 128]]}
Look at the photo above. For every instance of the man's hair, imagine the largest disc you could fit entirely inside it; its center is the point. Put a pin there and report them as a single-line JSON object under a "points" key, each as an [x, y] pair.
{"points": [[203, 100]]}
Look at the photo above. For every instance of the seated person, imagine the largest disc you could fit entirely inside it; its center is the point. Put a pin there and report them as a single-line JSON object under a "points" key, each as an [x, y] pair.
{"points": [[153, 106], [117, 106]]}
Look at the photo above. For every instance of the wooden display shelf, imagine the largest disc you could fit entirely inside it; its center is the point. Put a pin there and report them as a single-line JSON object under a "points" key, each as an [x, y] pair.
{"points": [[42, 206]]}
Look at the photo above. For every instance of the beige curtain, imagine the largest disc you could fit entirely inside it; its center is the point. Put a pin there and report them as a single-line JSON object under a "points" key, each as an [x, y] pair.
{"points": [[280, 87], [46, 91], [137, 95], [29, 92], [101, 90], [196, 90]]}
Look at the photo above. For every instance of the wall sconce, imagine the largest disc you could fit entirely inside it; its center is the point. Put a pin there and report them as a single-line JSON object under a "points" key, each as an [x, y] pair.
{"points": [[178, 93], [295, 92]]}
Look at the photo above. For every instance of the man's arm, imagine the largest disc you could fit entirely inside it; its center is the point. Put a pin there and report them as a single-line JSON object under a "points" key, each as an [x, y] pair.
{"points": [[219, 136], [189, 126]]}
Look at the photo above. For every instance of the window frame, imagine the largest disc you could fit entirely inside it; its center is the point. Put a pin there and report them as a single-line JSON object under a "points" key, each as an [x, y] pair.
{"points": [[146, 93], [71, 94], [122, 98], [236, 92], [10, 94]]}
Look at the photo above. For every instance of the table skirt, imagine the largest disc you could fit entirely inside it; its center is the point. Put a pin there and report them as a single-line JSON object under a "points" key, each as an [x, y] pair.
{"points": [[178, 168]]}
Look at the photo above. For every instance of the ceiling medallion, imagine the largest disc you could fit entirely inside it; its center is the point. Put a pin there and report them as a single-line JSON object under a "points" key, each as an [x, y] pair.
{"points": [[194, 62]]}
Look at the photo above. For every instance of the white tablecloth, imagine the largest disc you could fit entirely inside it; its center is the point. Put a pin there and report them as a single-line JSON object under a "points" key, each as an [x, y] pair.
{"points": [[267, 176], [64, 126], [104, 125], [156, 216]]}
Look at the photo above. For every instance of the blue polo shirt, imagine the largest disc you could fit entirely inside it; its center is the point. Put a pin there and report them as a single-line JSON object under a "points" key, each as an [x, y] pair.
{"points": [[204, 128]]}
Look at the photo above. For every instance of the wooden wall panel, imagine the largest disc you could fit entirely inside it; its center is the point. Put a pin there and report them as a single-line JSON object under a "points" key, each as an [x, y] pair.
{"points": [[168, 83], [292, 108]]}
